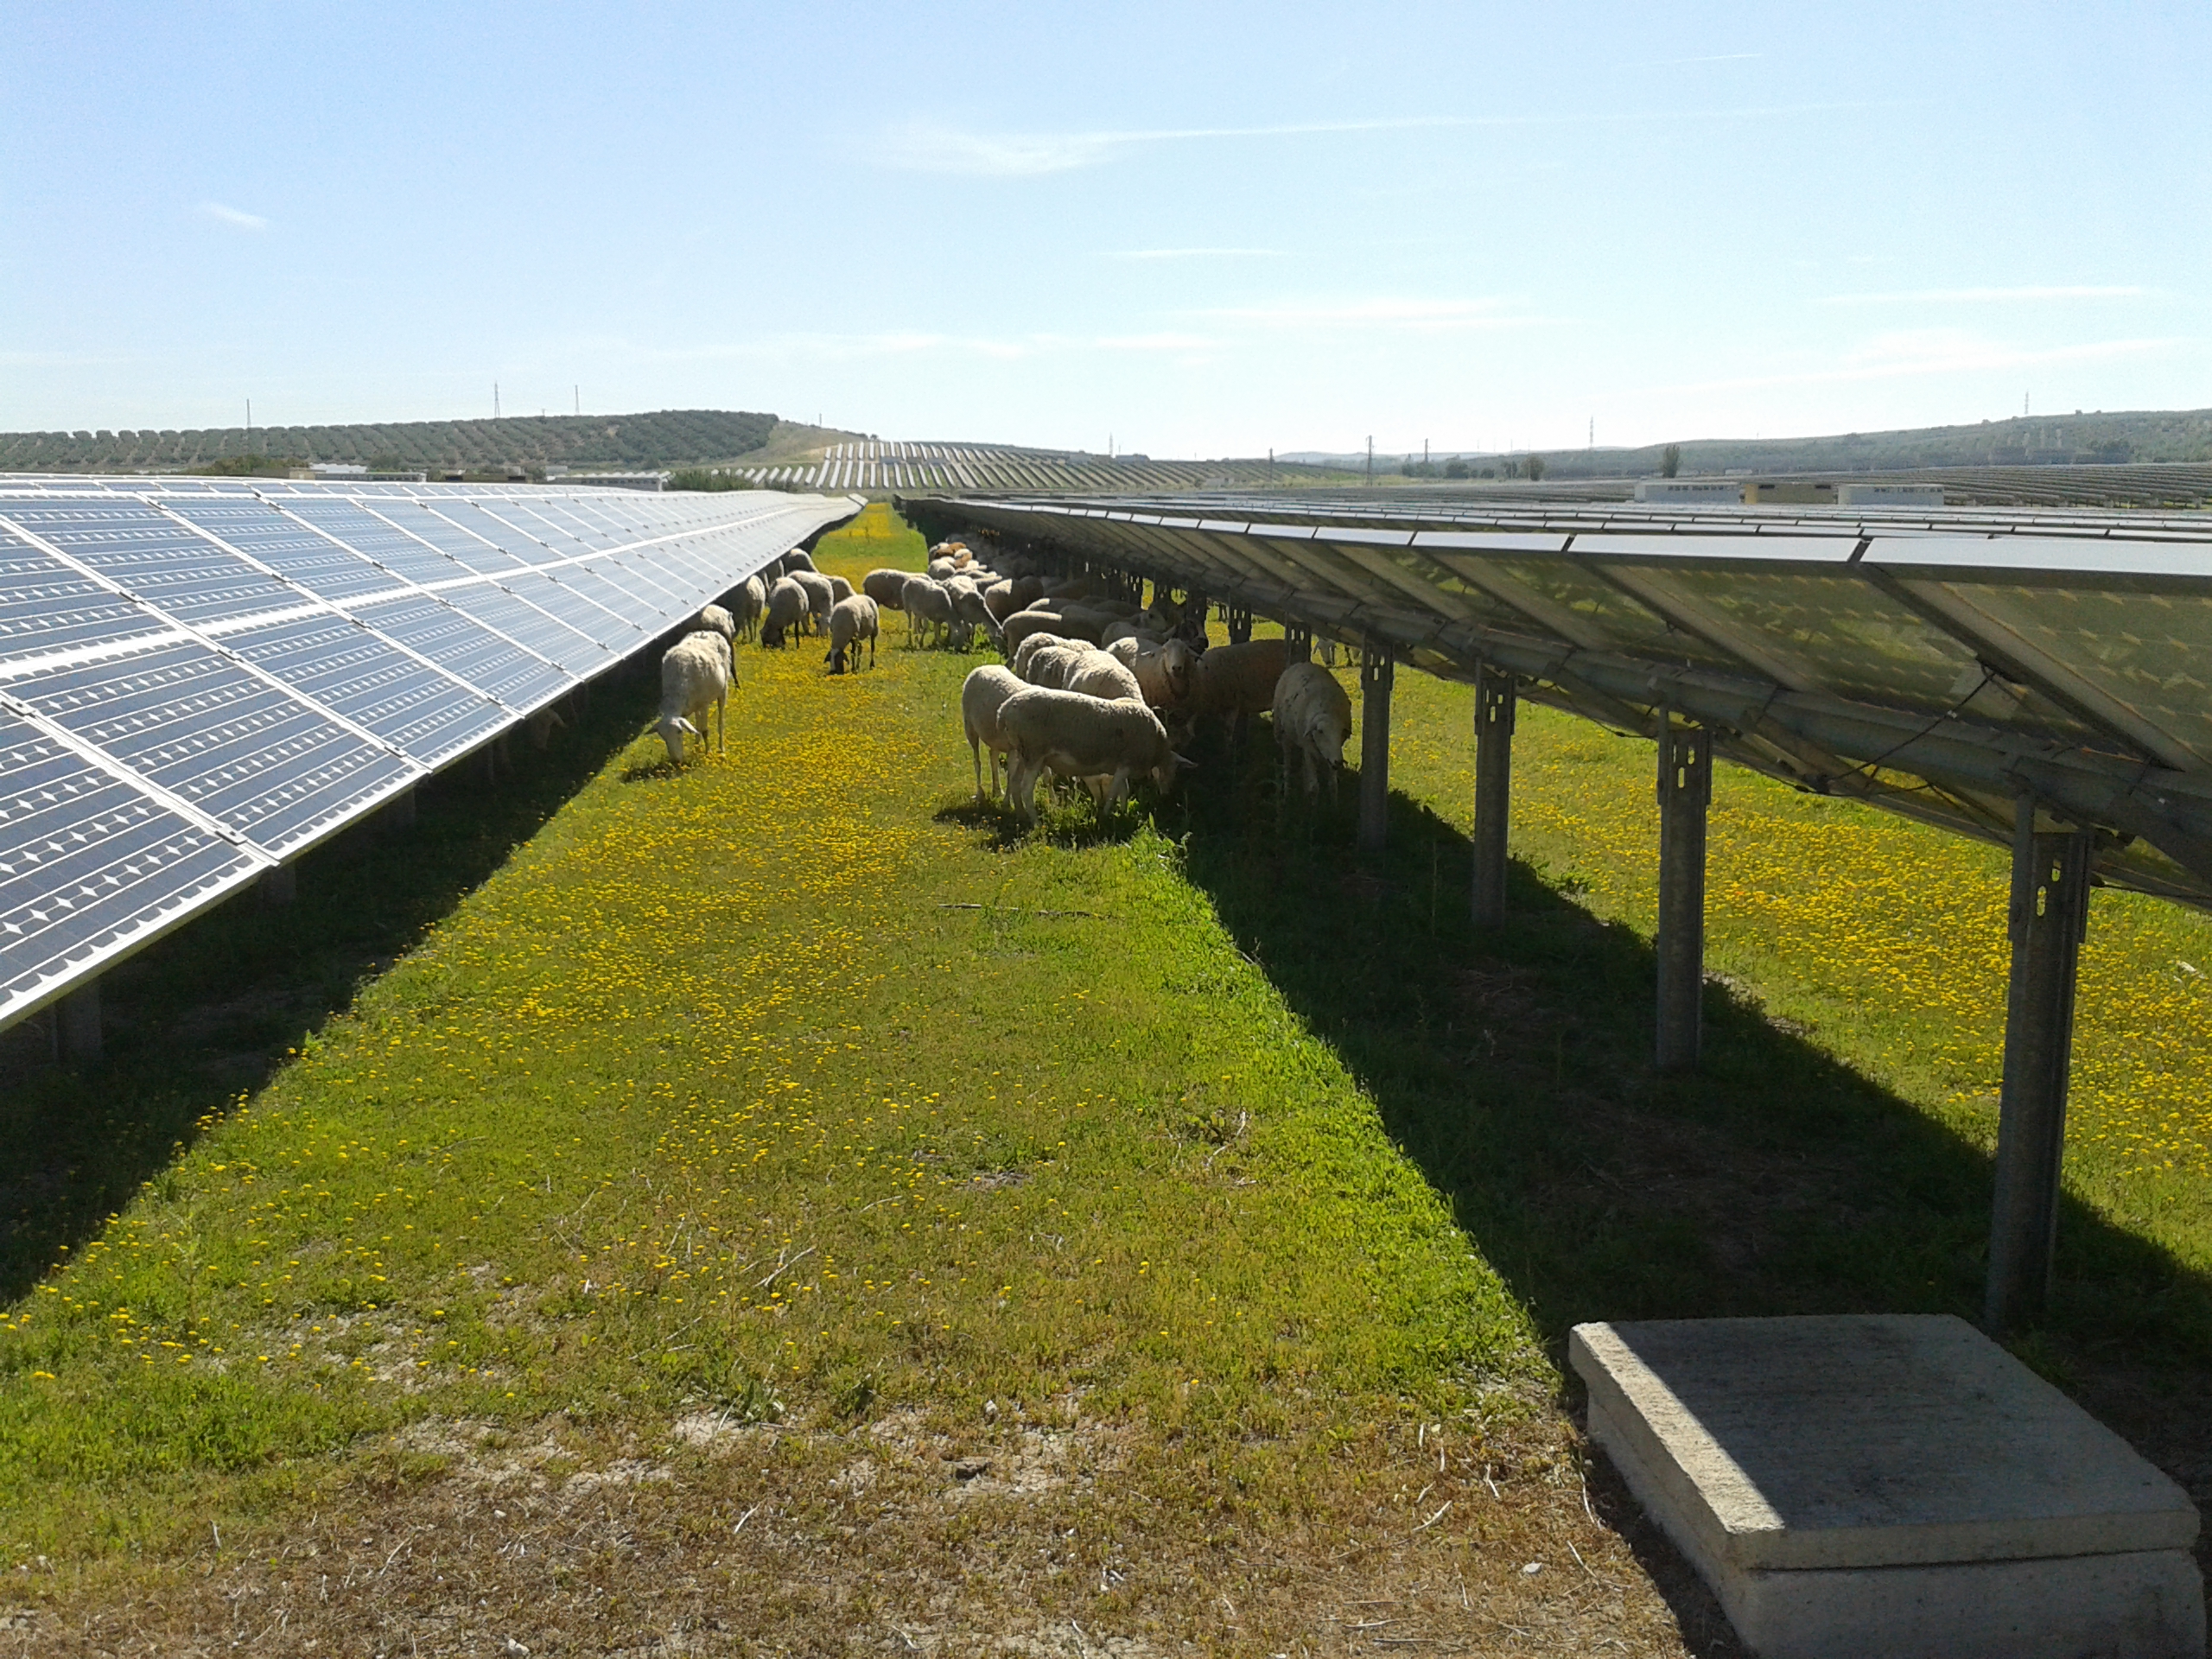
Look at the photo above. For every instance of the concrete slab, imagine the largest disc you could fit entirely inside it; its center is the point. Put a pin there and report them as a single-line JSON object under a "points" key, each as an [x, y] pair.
{"points": [[1894, 1484]]}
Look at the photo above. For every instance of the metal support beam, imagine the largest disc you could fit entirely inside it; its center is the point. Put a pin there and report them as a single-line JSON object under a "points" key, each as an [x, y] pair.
{"points": [[77, 1025], [1685, 793], [2050, 913], [1377, 670], [1496, 701]]}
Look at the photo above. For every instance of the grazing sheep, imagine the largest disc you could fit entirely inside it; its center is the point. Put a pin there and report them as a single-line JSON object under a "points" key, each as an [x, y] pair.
{"points": [[1235, 681], [887, 587], [1025, 653], [747, 602], [1097, 675], [1070, 588], [1018, 627], [998, 598], [852, 619], [787, 609], [715, 617], [695, 676], [1086, 622], [796, 560], [1053, 664], [942, 569], [1133, 628], [1164, 673], [969, 607], [1081, 737], [840, 590], [929, 609], [981, 694], [1021, 593], [820, 596], [1313, 719]]}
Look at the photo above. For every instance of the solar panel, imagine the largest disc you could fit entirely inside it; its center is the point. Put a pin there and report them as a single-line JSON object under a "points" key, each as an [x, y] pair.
{"points": [[522, 622], [200, 726], [293, 549], [479, 520], [89, 865], [46, 606], [373, 538], [471, 552], [152, 556], [342, 666], [471, 652]]}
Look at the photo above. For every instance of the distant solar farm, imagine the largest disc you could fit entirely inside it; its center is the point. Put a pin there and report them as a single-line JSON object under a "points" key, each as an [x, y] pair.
{"points": [[885, 466]]}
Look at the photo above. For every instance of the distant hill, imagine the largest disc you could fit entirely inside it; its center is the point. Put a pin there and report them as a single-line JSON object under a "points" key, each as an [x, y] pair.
{"points": [[674, 438], [2077, 440]]}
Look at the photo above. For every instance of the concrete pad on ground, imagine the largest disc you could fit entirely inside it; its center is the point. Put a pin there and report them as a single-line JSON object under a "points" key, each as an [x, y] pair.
{"points": [[1893, 1483]]}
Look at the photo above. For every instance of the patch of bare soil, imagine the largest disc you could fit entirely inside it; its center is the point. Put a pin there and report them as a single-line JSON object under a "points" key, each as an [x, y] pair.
{"points": [[1056, 1536]]}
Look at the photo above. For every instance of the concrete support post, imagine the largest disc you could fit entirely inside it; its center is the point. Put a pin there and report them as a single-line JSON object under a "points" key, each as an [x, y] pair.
{"points": [[1238, 621], [1298, 644], [77, 1025], [2050, 914], [280, 885], [1375, 671], [1495, 703], [1685, 793]]}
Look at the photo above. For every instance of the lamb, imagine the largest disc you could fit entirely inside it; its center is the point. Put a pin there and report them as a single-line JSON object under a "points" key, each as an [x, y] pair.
{"points": [[695, 676], [714, 616], [1083, 737], [1164, 673], [1313, 718], [887, 587], [928, 607], [820, 596], [1027, 651], [981, 695], [787, 609], [1097, 675], [1235, 681], [852, 619]]}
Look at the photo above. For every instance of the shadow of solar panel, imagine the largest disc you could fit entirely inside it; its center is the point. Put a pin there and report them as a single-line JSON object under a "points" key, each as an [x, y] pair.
{"points": [[157, 559], [472, 552], [457, 643], [372, 683], [523, 623], [294, 551], [241, 750], [46, 606], [557, 595], [88, 865], [373, 538]]}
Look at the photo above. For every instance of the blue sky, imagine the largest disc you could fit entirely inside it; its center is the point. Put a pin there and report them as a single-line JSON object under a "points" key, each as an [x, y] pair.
{"points": [[1198, 229]]}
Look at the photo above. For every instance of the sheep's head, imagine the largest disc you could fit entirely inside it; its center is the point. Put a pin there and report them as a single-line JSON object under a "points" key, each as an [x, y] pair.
{"points": [[673, 729], [1178, 666]]}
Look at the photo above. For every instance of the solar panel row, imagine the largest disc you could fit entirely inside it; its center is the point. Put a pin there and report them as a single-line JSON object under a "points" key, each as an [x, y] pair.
{"points": [[199, 681]]}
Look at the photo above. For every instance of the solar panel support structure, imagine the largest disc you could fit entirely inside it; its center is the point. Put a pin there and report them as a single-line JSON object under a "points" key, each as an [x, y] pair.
{"points": [[2049, 916], [1377, 669], [1685, 793], [1496, 702], [77, 1025]]}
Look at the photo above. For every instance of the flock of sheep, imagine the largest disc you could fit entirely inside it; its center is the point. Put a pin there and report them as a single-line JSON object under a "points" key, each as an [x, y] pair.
{"points": [[1093, 688]]}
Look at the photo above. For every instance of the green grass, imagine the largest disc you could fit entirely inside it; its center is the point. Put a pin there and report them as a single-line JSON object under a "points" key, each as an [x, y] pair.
{"points": [[628, 1106]]}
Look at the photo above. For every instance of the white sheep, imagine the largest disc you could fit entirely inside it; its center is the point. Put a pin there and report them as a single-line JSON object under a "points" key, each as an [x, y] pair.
{"points": [[1235, 681], [747, 602], [1164, 673], [1053, 664], [797, 559], [840, 590], [1081, 737], [1129, 627], [820, 596], [1313, 718], [969, 608], [887, 587], [719, 620], [942, 569], [852, 619], [786, 610], [695, 676], [981, 694], [1097, 675], [929, 609], [1027, 652], [1018, 627]]}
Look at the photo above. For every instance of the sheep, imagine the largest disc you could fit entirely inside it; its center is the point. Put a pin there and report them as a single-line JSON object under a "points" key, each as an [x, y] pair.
{"points": [[695, 676], [1164, 673], [928, 607], [1086, 622], [796, 560], [887, 587], [542, 726], [1018, 627], [1313, 718], [717, 619], [1021, 592], [745, 603], [981, 694], [852, 619], [1235, 681], [1053, 664], [840, 590], [1132, 628], [1081, 737], [787, 609], [1097, 675], [968, 606], [1019, 661], [820, 596], [942, 569], [1070, 588]]}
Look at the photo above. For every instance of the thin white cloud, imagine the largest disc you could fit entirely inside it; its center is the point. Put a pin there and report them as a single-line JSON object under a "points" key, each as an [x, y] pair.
{"points": [[1986, 296], [1196, 253], [922, 147], [1382, 312], [235, 217]]}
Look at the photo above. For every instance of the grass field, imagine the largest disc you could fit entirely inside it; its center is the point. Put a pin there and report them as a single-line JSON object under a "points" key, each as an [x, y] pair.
{"points": [[772, 1204]]}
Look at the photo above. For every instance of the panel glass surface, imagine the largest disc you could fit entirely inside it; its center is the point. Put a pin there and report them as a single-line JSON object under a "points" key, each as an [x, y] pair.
{"points": [[87, 862], [456, 543], [527, 627], [167, 564], [565, 602], [661, 592], [457, 643], [286, 545], [344, 666], [620, 596], [1633, 625], [365, 534], [483, 521], [200, 727], [562, 537], [45, 605], [591, 533]]}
